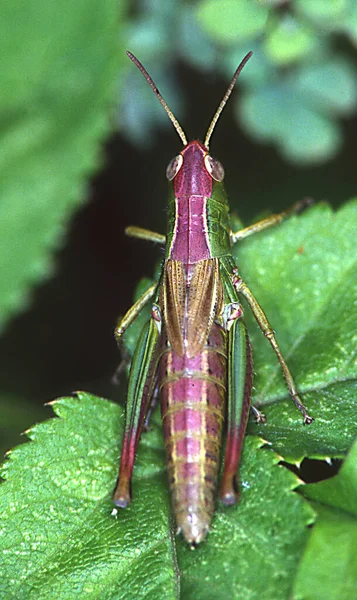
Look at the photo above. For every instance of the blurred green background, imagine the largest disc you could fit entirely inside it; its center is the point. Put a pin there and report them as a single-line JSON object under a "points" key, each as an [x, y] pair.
{"points": [[85, 144]]}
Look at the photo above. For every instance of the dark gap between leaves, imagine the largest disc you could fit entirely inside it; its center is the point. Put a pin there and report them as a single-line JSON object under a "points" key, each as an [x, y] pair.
{"points": [[312, 471]]}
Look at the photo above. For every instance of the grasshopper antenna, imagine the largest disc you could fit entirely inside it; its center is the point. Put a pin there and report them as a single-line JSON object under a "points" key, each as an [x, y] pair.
{"points": [[169, 112], [225, 99]]}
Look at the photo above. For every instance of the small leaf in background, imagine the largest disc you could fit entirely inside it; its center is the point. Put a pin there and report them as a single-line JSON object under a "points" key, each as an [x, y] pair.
{"points": [[323, 14], [139, 111], [289, 40], [328, 569], [228, 21], [298, 111], [278, 112], [58, 79], [196, 45], [259, 71], [350, 21], [330, 87]]}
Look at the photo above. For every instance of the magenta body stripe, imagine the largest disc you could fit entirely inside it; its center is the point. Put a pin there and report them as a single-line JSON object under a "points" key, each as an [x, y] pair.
{"points": [[192, 187]]}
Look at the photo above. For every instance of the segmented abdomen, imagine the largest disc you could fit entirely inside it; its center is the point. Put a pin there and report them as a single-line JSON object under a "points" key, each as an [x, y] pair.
{"points": [[193, 396]]}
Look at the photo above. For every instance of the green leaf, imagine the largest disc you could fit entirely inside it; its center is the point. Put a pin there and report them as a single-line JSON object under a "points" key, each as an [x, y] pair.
{"points": [[329, 566], [322, 13], [305, 277], [196, 46], [59, 67], [350, 21], [259, 70], [321, 85], [296, 110], [281, 113], [59, 537], [228, 21], [252, 549], [289, 40]]}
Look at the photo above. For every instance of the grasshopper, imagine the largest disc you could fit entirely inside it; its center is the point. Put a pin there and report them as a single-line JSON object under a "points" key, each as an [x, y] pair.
{"points": [[194, 353]]}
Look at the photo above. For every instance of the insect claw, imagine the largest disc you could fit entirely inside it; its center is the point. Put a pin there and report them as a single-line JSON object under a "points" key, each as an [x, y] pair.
{"points": [[121, 502], [308, 420], [229, 489], [261, 418], [228, 499], [303, 204], [258, 416]]}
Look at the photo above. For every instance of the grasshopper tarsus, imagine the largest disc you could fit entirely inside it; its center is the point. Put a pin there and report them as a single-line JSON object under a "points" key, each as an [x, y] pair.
{"points": [[302, 408], [302, 205], [308, 419], [122, 494], [259, 417], [229, 492]]}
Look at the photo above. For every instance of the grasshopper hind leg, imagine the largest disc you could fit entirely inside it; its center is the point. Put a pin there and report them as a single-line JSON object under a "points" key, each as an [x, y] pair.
{"points": [[240, 380], [141, 385]]}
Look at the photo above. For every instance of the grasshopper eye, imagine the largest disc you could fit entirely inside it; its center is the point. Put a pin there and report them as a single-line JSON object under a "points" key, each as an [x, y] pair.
{"points": [[214, 167], [174, 166]]}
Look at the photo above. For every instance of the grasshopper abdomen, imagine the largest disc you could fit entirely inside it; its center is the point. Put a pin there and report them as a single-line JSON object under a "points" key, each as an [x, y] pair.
{"points": [[193, 399]]}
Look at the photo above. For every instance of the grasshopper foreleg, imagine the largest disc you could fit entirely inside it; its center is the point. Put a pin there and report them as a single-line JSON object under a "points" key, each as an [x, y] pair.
{"points": [[133, 312], [145, 234], [123, 325], [271, 220], [266, 328]]}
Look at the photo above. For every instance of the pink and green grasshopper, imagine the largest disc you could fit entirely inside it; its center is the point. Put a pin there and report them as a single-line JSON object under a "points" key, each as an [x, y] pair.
{"points": [[195, 352]]}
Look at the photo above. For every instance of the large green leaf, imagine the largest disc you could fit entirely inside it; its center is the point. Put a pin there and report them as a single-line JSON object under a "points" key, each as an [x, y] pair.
{"points": [[58, 78], [59, 538], [329, 567], [58, 535]]}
